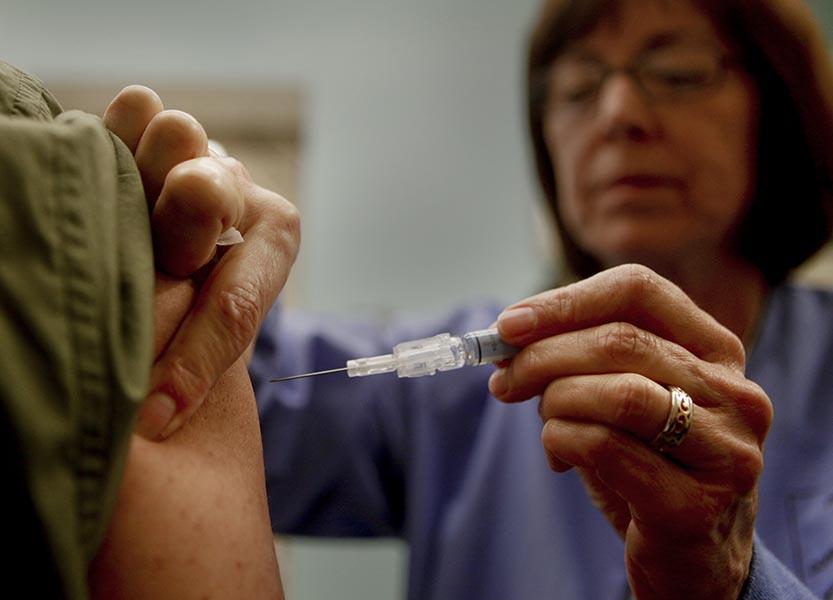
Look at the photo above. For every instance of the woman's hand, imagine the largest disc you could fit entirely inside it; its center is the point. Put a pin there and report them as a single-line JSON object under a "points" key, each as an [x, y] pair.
{"points": [[601, 354], [194, 196]]}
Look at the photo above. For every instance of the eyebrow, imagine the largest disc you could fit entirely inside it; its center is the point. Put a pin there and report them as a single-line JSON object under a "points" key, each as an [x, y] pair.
{"points": [[663, 39], [683, 35]]}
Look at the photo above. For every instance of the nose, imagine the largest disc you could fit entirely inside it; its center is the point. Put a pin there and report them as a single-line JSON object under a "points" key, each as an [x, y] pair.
{"points": [[624, 111]]}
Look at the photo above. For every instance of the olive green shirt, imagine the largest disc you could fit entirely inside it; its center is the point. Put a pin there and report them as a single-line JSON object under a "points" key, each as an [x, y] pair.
{"points": [[76, 285]]}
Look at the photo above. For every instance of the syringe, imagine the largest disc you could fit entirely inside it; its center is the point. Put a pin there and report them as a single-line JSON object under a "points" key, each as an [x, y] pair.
{"points": [[426, 356]]}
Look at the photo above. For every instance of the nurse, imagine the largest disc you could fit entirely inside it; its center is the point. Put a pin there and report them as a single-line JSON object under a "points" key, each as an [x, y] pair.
{"points": [[683, 146]]}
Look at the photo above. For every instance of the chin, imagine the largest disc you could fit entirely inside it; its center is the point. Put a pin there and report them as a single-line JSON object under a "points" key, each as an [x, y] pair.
{"points": [[627, 236], [651, 251]]}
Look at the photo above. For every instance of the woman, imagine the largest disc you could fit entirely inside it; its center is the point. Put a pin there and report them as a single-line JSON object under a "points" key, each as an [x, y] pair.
{"points": [[691, 137], [665, 140]]}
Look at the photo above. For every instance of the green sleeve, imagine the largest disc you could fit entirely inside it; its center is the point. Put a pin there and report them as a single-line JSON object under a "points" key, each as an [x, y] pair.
{"points": [[76, 285]]}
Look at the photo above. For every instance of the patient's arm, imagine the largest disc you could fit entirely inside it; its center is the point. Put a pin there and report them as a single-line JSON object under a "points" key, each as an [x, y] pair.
{"points": [[191, 519]]}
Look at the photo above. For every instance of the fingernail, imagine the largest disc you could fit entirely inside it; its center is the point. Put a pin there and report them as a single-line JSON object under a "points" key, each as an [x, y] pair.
{"points": [[173, 425], [155, 416], [497, 383], [515, 322], [553, 465]]}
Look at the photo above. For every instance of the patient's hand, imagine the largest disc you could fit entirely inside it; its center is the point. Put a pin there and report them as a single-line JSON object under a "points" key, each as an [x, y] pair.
{"points": [[191, 519], [194, 196]]}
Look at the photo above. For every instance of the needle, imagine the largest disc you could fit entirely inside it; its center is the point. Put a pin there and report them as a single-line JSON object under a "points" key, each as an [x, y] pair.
{"points": [[279, 379]]}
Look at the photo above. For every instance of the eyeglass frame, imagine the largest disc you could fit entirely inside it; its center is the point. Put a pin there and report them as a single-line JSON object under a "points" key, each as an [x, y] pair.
{"points": [[725, 62]]}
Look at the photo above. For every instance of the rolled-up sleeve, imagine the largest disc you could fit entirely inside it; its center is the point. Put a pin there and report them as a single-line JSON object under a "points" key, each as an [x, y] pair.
{"points": [[76, 285]]}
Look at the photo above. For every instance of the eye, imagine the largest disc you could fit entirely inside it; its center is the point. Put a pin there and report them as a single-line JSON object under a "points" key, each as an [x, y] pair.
{"points": [[680, 71], [575, 83], [577, 94], [681, 77]]}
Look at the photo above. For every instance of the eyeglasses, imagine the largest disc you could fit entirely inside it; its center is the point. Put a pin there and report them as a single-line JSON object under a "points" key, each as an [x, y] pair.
{"points": [[670, 74]]}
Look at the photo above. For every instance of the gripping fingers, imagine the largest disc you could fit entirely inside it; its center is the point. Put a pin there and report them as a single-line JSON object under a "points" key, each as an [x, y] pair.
{"points": [[200, 199], [628, 293], [171, 137], [226, 314], [719, 443], [607, 348], [626, 401], [653, 486], [634, 405], [130, 112]]}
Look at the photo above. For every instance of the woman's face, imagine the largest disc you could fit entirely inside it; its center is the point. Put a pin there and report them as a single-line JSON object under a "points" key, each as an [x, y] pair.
{"points": [[655, 164]]}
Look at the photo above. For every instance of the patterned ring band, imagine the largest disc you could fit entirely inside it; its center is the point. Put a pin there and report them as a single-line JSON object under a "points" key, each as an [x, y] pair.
{"points": [[678, 424]]}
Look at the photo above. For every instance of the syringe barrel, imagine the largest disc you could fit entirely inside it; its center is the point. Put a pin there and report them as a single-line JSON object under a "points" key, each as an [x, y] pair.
{"points": [[485, 346], [415, 358], [442, 352]]}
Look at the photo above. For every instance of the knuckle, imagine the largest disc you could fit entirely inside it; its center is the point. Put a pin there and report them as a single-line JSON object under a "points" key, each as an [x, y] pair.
{"points": [[755, 407], [747, 466], [636, 283], [630, 396], [561, 307], [546, 405], [283, 220], [532, 366], [601, 446], [735, 352], [240, 310], [288, 239], [621, 342], [291, 219], [236, 168], [234, 165], [639, 280]]}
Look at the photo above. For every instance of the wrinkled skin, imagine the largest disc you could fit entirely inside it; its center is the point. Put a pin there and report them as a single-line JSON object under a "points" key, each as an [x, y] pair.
{"points": [[600, 353], [194, 196]]}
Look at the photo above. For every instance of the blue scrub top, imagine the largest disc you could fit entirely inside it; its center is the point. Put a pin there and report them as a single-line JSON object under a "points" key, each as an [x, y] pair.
{"points": [[463, 478]]}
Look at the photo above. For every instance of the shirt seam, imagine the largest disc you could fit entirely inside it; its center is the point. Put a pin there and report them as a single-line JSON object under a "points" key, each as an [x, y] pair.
{"points": [[89, 408]]}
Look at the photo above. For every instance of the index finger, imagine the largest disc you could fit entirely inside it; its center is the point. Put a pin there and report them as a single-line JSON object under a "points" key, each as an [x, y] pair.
{"points": [[629, 293]]}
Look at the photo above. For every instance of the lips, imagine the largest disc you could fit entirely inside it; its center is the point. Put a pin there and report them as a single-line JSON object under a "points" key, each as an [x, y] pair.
{"points": [[642, 181]]}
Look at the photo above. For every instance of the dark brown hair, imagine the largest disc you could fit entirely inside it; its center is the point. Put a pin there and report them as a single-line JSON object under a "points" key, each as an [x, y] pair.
{"points": [[783, 50]]}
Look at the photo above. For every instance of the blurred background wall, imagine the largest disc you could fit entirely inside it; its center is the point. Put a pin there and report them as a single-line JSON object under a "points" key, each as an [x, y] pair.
{"points": [[396, 126], [414, 183]]}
